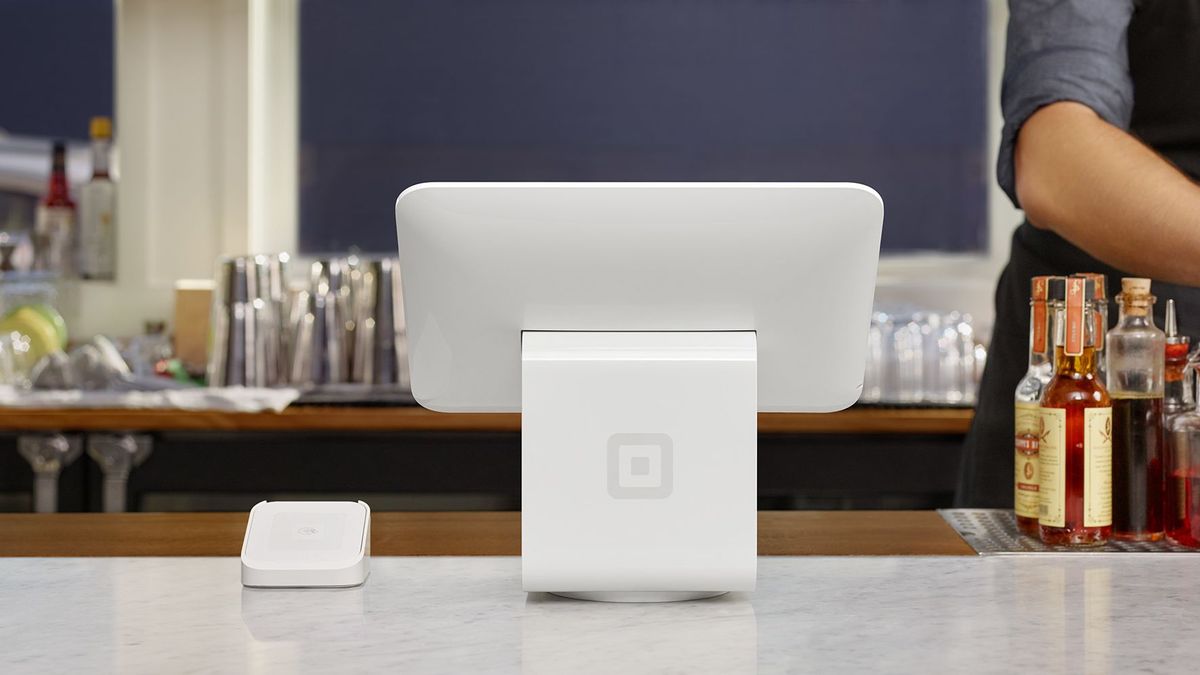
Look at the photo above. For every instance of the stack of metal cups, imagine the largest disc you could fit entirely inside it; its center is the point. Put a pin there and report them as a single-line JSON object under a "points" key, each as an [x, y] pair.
{"points": [[380, 353], [248, 344], [323, 325], [342, 330]]}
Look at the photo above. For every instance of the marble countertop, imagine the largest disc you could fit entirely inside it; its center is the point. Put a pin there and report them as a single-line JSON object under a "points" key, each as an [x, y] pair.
{"points": [[1039, 613]]}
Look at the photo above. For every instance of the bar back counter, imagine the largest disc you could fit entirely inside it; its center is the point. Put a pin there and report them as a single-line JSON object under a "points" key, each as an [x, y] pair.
{"points": [[408, 458]]}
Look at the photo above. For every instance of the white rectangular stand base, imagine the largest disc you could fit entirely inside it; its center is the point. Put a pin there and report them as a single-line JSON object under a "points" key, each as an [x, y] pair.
{"points": [[639, 464]]}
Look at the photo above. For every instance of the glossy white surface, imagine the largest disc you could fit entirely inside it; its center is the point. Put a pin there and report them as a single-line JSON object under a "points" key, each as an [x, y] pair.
{"points": [[482, 262], [1093, 613], [639, 462]]}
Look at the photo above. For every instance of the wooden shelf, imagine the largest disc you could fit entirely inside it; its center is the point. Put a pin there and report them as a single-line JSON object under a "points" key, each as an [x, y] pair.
{"points": [[329, 418], [454, 533]]}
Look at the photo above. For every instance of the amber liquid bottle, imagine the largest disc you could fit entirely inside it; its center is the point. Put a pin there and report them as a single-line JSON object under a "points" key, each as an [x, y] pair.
{"points": [[1136, 359], [1075, 450]]}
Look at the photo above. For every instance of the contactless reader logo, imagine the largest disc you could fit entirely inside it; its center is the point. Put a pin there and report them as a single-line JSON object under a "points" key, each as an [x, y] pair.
{"points": [[640, 466]]}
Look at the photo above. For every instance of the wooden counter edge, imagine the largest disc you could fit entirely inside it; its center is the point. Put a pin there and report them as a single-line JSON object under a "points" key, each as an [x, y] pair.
{"points": [[334, 418], [781, 533]]}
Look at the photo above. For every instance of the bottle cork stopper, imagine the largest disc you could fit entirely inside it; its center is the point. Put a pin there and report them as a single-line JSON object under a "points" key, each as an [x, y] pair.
{"points": [[101, 127], [1135, 286]]}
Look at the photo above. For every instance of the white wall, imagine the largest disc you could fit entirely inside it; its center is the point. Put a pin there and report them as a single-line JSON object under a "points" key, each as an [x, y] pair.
{"points": [[195, 183]]}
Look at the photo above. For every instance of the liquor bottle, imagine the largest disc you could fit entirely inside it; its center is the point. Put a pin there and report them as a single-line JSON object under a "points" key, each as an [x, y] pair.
{"points": [[1183, 486], [97, 210], [1182, 517], [1181, 429], [1136, 358], [54, 226], [1075, 450], [1028, 428], [1100, 316], [1178, 392]]}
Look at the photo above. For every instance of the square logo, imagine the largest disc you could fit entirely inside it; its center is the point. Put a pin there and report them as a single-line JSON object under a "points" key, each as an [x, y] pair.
{"points": [[640, 466]]}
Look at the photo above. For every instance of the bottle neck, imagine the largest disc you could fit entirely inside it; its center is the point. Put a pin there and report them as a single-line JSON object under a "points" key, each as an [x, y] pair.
{"points": [[1075, 364], [1086, 361], [1034, 358], [100, 152], [1136, 313], [1043, 354], [1178, 377]]}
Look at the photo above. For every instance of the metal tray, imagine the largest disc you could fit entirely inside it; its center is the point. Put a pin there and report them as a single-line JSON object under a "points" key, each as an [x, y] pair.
{"points": [[356, 395], [994, 532]]}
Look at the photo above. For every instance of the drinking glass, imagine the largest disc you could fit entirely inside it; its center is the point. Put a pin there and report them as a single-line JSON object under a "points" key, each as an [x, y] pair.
{"points": [[873, 376], [8, 375], [908, 361]]}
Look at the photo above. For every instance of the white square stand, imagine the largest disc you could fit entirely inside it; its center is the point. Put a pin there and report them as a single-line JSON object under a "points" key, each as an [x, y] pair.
{"points": [[639, 464]]}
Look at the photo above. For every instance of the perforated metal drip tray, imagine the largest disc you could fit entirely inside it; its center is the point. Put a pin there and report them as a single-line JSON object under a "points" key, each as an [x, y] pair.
{"points": [[994, 532]]}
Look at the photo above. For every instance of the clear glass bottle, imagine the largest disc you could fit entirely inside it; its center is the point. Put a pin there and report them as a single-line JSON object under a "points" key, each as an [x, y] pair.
{"points": [[97, 210], [1136, 361], [1075, 450], [1180, 423], [1027, 399], [1100, 316], [1182, 519], [1183, 483], [1178, 392]]}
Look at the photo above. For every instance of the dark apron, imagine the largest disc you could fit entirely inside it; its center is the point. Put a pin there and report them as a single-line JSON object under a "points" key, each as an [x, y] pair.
{"points": [[1164, 62]]}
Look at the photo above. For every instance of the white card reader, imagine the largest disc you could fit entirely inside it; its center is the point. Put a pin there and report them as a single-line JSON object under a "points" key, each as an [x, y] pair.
{"points": [[307, 545]]}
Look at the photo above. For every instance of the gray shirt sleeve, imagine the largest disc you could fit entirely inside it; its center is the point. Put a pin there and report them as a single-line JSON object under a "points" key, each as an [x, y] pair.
{"points": [[1063, 50]]}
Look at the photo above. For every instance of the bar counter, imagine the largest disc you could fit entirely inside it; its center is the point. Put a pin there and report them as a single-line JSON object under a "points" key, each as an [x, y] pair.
{"points": [[847, 592], [411, 418], [454, 534]]}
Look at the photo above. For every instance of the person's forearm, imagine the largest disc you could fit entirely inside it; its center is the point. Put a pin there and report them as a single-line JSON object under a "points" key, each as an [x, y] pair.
{"points": [[1104, 191]]}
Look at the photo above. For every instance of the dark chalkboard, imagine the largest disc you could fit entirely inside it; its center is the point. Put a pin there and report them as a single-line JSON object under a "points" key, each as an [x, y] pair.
{"points": [[891, 93], [58, 66]]}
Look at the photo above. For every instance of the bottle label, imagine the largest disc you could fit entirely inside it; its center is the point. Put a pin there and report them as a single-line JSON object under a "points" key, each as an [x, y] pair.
{"points": [[1052, 468], [1097, 467], [54, 220], [1073, 342], [54, 239], [1026, 442], [97, 236]]}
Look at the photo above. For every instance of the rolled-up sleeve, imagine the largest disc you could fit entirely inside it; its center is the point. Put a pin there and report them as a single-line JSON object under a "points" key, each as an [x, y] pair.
{"points": [[1063, 50]]}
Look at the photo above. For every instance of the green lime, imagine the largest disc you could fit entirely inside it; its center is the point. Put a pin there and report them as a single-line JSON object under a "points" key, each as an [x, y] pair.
{"points": [[52, 315], [43, 336]]}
